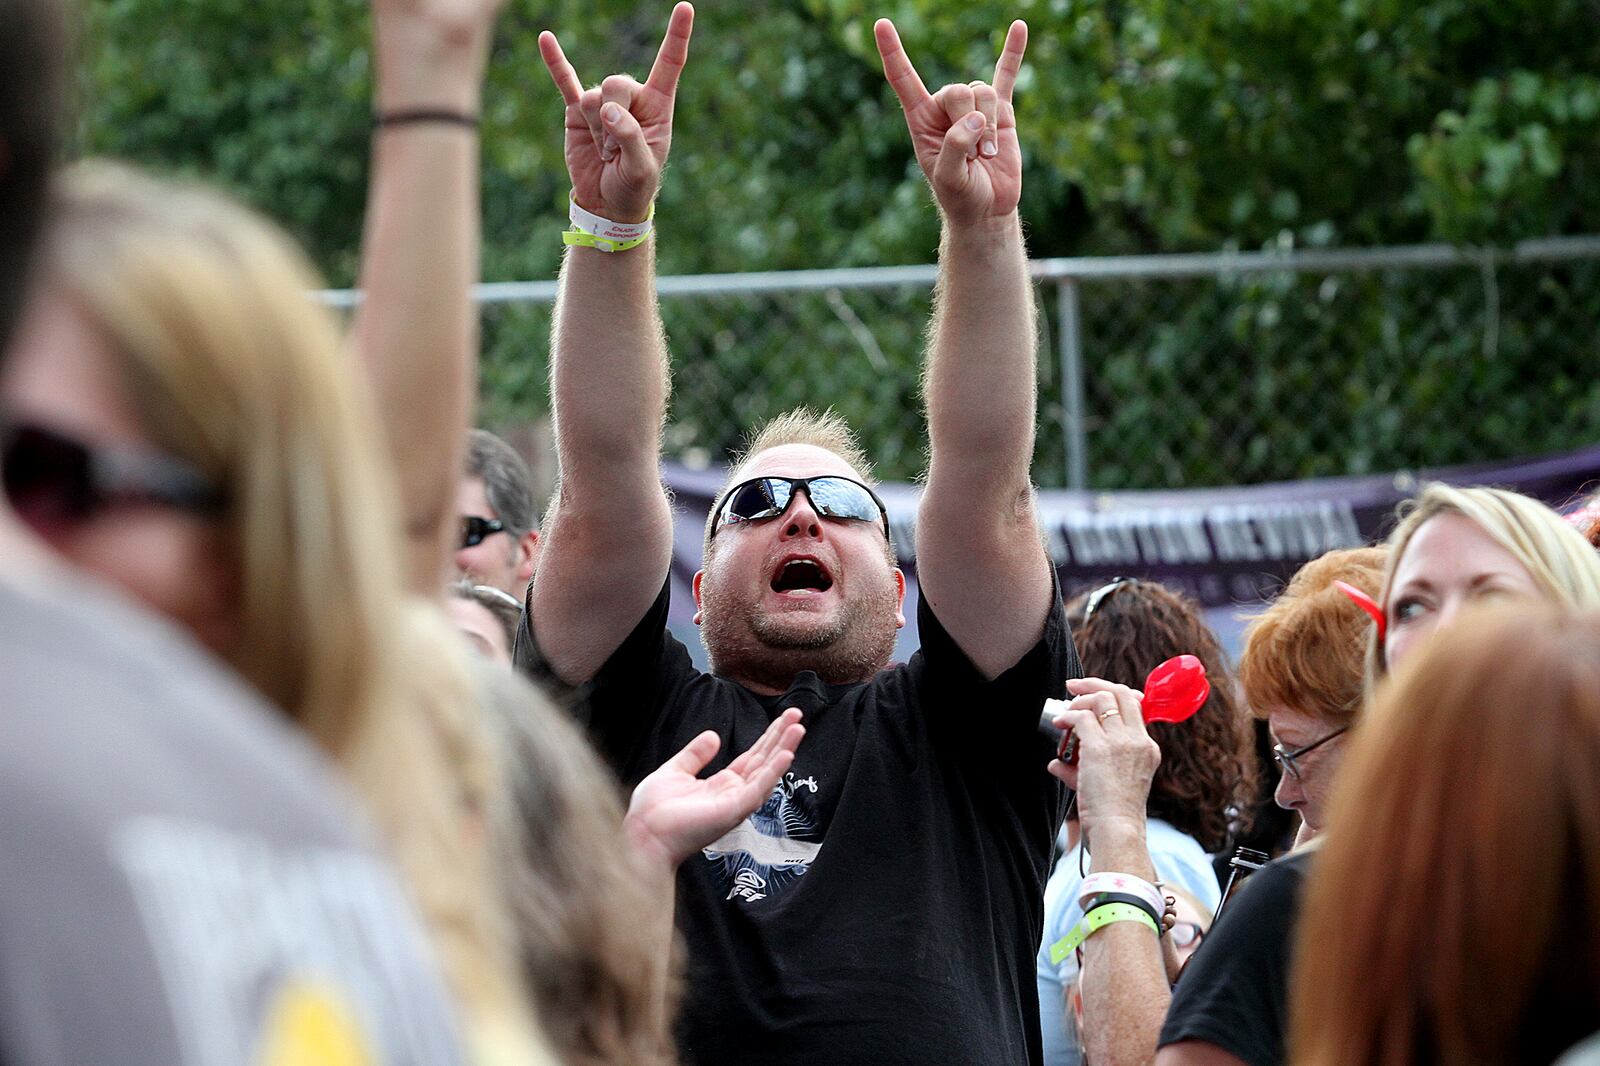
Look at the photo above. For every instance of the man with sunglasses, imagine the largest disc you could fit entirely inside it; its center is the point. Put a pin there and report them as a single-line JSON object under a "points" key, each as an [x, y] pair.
{"points": [[884, 905], [499, 544]]}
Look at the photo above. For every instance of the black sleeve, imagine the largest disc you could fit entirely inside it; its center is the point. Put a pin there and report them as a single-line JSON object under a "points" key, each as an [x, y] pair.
{"points": [[1009, 704], [621, 704], [1234, 992]]}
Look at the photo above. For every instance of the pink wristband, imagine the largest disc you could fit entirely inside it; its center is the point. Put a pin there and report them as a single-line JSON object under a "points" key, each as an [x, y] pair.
{"points": [[1098, 883]]}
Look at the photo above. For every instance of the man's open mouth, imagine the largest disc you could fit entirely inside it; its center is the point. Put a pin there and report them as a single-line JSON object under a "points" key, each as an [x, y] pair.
{"points": [[802, 574]]}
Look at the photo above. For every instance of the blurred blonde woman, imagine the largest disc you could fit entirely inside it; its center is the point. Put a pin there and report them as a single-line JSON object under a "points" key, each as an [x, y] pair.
{"points": [[1460, 546], [1451, 917], [232, 482]]}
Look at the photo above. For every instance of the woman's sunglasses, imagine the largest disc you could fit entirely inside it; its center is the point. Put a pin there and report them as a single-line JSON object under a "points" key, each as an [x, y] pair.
{"points": [[831, 496], [54, 482]]}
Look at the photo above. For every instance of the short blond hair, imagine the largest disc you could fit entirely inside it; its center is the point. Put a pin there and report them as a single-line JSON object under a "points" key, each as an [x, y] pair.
{"points": [[825, 430], [1560, 560]]}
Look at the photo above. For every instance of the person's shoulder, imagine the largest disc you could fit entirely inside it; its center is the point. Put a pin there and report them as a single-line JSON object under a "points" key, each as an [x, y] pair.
{"points": [[97, 689]]}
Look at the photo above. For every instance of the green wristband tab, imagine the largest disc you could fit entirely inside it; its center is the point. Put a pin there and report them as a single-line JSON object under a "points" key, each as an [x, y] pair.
{"points": [[1093, 922], [578, 238]]}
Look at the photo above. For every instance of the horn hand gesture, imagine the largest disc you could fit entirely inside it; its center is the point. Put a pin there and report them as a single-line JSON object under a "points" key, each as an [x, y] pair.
{"points": [[618, 133], [965, 135]]}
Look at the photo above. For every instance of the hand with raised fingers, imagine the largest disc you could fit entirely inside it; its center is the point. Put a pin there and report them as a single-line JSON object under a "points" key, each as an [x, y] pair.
{"points": [[619, 133], [430, 54], [674, 812], [1117, 760], [965, 135]]}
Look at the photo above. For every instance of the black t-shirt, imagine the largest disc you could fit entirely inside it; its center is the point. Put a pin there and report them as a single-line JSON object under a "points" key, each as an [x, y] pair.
{"points": [[1234, 993], [885, 904]]}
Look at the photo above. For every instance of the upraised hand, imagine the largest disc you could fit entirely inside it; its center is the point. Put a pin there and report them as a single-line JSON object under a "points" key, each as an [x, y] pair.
{"points": [[965, 136], [430, 54], [674, 813], [618, 134]]}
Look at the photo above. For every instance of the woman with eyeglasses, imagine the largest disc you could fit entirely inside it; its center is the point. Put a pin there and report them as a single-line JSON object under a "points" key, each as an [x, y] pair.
{"points": [[1301, 670], [1123, 630], [1451, 917]]}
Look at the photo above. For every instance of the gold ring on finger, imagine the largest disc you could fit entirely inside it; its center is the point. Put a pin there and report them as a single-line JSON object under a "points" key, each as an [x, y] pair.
{"points": [[1110, 714]]}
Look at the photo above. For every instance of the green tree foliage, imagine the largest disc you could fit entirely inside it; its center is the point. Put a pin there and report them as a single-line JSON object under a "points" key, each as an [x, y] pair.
{"points": [[1148, 125]]}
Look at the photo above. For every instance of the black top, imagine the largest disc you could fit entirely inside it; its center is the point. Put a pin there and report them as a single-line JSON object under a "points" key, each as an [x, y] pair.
{"points": [[886, 903], [1234, 993]]}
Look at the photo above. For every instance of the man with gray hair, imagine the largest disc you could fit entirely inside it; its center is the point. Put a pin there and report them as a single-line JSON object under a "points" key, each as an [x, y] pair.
{"points": [[499, 544]]}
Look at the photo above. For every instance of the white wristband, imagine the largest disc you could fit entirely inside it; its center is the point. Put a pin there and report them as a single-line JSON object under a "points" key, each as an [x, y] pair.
{"points": [[592, 224], [1097, 883]]}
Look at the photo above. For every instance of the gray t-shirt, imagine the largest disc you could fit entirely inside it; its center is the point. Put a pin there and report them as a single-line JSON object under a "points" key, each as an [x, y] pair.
{"points": [[181, 879]]}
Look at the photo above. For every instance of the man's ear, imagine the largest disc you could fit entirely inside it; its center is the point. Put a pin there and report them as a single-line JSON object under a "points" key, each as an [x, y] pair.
{"points": [[699, 611], [527, 556], [900, 598]]}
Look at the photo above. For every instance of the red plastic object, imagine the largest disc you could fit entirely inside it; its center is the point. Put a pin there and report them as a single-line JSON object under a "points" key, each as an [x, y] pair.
{"points": [[1175, 690], [1366, 603]]}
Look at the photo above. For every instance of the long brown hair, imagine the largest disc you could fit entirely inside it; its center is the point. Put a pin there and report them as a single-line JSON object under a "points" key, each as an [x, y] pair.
{"points": [[1449, 917], [1206, 763]]}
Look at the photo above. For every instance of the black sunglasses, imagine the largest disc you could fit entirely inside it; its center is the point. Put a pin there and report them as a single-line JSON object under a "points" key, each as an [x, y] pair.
{"points": [[52, 481], [832, 497], [474, 529]]}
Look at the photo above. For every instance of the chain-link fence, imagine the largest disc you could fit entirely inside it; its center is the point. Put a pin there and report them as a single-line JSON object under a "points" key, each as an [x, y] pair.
{"points": [[1164, 371]]}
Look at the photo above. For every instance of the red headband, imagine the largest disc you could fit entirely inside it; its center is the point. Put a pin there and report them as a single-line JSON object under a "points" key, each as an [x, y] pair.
{"points": [[1366, 603]]}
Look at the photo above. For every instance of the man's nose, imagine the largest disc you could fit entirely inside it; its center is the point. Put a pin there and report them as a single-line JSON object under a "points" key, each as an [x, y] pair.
{"points": [[801, 519]]}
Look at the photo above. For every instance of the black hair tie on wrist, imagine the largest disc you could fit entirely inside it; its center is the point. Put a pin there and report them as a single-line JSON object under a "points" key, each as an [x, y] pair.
{"points": [[420, 116]]}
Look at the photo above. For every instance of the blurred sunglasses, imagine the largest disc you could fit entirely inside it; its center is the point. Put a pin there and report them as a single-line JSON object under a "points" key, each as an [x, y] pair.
{"points": [[1185, 933], [474, 529], [830, 495], [54, 482]]}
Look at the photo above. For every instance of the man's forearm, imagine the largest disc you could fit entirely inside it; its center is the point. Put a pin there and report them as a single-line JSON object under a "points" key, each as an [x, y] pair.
{"points": [[1124, 983], [981, 376]]}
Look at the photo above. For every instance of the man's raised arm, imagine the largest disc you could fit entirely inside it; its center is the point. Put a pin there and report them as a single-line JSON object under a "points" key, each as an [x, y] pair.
{"points": [[608, 539], [980, 560]]}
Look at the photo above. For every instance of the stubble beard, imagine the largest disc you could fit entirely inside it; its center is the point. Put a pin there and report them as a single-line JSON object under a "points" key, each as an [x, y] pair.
{"points": [[767, 650]]}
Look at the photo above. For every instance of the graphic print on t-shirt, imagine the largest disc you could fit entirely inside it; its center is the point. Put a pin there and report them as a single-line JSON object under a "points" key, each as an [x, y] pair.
{"points": [[271, 953], [771, 849]]}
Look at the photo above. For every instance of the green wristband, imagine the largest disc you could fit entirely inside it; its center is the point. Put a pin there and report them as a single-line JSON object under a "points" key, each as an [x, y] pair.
{"points": [[605, 244], [1095, 921]]}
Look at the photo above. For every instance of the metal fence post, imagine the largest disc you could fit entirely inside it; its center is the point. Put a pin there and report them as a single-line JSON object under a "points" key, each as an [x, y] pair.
{"points": [[1072, 416]]}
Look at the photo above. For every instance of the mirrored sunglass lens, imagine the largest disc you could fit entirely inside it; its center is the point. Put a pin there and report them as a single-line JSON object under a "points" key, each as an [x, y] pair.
{"points": [[757, 499], [46, 477], [837, 498]]}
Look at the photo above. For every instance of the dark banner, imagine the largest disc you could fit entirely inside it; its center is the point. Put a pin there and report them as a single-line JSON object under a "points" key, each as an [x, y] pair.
{"points": [[1228, 547]]}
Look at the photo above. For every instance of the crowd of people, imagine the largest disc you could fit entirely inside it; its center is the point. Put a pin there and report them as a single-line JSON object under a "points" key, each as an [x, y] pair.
{"points": [[324, 746]]}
